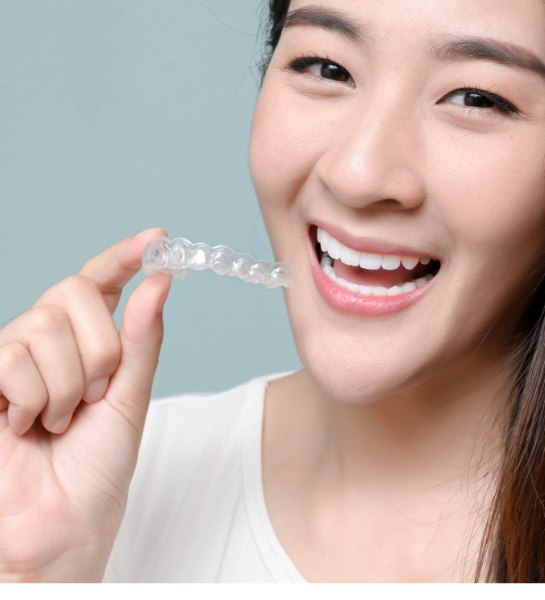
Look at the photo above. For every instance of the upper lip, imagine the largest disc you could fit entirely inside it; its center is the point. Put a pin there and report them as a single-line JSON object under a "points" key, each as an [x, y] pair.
{"points": [[372, 245]]}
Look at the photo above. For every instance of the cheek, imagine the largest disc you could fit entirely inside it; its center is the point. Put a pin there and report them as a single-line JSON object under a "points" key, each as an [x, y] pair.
{"points": [[491, 200], [284, 148], [492, 196]]}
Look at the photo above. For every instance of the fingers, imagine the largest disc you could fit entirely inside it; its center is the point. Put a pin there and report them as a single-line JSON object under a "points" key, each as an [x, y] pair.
{"points": [[74, 344], [20, 380], [41, 373], [114, 267], [93, 329], [66, 348], [141, 336]]}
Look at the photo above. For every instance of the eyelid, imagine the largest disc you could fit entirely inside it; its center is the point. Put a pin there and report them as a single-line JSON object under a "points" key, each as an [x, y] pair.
{"points": [[500, 102], [301, 63]]}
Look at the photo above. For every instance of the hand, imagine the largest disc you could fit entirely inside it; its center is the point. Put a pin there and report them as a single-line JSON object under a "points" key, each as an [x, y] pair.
{"points": [[74, 393]]}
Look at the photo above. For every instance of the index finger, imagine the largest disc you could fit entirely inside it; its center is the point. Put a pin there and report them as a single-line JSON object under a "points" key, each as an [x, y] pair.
{"points": [[112, 269]]}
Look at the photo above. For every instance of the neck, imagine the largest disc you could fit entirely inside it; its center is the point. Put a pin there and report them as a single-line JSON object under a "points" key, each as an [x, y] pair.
{"points": [[414, 470], [428, 436]]}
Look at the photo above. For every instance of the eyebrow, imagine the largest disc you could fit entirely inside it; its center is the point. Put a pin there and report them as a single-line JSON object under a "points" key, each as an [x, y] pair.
{"points": [[326, 19], [492, 50], [466, 48]]}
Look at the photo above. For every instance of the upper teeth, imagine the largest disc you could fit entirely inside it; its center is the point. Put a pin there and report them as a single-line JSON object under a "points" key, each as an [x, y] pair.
{"points": [[366, 260]]}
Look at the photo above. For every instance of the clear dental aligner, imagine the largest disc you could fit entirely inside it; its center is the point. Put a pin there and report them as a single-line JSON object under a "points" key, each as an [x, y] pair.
{"points": [[178, 256]]}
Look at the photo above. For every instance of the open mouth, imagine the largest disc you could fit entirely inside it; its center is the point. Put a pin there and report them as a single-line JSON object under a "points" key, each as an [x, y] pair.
{"points": [[370, 274]]}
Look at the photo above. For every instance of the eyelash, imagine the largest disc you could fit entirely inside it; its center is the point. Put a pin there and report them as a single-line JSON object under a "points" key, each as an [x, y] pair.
{"points": [[499, 102], [299, 65]]}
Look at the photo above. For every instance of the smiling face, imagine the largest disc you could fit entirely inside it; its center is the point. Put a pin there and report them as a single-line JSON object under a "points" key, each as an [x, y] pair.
{"points": [[398, 153]]}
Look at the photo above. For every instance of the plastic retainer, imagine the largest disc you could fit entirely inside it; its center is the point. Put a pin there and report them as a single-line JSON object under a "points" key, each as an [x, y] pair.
{"points": [[179, 256]]}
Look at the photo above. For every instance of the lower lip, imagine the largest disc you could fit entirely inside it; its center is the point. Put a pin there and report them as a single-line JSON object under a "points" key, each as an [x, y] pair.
{"points": [[350, 302]]}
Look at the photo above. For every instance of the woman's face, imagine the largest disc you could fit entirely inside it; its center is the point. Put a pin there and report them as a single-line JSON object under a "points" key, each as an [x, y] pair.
{"points": [[414, 130]]}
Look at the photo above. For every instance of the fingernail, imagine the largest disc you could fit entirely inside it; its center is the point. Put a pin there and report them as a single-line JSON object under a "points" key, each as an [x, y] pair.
{"points": [[19, 420], [61, 424], [142, 233], [146, 232], [95, 390]]}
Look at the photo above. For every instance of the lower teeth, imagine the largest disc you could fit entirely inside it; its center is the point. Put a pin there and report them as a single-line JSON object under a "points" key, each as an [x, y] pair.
{"points": [[372, 290]]}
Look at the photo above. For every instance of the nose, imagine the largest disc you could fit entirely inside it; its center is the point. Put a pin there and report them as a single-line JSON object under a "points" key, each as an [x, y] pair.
{"points": [[374, 157]]}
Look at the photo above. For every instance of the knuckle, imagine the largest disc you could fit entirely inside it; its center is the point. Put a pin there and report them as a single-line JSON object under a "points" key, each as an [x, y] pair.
{"points": [[76, 285], [104, 361], [29, 401], [34, 403], [48, 319], [12, 355], [66, 395], [87, 265]]}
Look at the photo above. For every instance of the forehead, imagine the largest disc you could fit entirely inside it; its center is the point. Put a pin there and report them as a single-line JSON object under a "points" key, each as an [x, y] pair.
{"points": [[516, 21]]}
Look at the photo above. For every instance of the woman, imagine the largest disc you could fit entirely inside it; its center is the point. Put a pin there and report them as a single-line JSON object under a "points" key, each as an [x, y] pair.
{"points": [[397, 152]]}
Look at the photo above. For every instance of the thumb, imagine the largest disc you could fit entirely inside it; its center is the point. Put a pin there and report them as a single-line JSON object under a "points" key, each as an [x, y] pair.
{"points": [[141, 335]]}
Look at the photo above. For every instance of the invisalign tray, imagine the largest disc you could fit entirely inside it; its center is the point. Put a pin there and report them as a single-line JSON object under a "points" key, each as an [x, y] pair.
{"points": [[178, 256]]}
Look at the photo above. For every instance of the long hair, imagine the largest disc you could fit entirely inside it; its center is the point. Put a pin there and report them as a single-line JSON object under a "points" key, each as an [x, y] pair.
{"points": [[513, 545]]}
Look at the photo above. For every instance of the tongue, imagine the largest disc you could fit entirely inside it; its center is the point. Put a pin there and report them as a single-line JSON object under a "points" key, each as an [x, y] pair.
{"points": [[365, 277]]}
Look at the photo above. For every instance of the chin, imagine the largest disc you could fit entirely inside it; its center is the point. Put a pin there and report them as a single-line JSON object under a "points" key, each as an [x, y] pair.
{"points": [[353, 371]]}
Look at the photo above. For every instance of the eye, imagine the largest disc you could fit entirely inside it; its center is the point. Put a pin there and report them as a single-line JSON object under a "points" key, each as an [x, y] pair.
{"points": [[321, 68], [480, 99]]}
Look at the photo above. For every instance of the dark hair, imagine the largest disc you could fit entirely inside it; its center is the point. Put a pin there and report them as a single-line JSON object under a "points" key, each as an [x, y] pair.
{"points": [[513, 545], [278, 9]]}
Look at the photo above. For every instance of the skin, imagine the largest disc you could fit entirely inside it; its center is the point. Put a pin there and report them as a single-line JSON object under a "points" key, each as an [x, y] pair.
{"points": [[369, 450], [62, 496], [395, 419]]}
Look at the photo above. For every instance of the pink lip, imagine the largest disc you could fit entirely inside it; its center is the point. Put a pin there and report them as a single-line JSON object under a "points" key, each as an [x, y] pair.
{"points": [[344, 300]]}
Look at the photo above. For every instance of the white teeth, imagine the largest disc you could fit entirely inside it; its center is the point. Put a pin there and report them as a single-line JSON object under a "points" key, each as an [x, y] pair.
{"points": [[410, 286], [423, 280], [372, 290], [334, 248], [391, 262], [395, 291], [410, 262], [327, 267], [366, 260], [320, 235], [349, 257], [371, 262]]}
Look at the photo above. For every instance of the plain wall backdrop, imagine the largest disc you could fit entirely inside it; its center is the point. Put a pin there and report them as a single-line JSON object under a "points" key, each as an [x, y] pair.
{"points": [[118, 115]]}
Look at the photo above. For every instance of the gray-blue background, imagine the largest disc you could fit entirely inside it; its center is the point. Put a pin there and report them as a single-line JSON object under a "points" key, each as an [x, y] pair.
{"points": [[118, 115]]}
